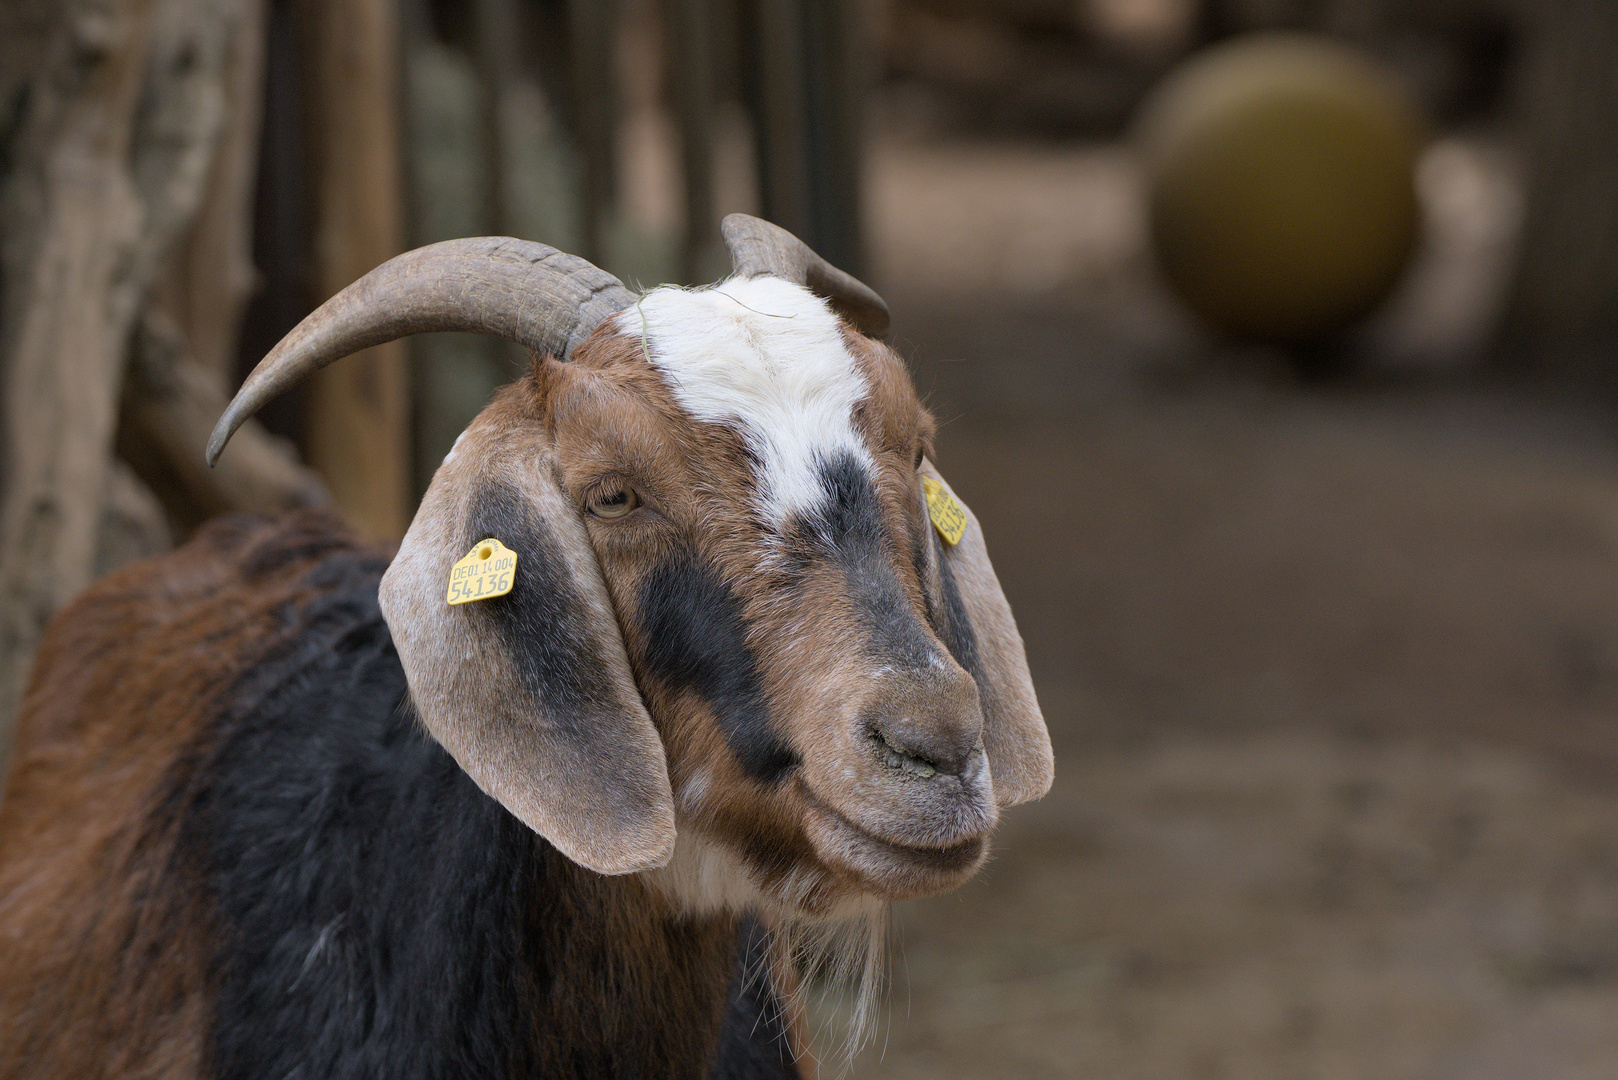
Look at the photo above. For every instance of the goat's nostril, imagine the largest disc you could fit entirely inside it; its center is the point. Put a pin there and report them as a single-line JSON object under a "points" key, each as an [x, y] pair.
{"points": [[895, 758], [920, 752]]}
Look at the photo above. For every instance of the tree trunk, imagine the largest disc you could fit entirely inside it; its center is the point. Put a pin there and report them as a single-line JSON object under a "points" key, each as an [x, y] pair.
{"points": [[125, 103], [1562, 318], [172, 399], [71, 222]]}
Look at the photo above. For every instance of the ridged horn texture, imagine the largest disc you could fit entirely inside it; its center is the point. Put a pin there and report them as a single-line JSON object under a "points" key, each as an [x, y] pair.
{"points": [[758, 247], [543, 299]]}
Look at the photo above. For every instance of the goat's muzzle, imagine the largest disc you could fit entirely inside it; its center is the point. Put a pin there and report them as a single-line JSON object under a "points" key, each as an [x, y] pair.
{"points": [[906, 804]]}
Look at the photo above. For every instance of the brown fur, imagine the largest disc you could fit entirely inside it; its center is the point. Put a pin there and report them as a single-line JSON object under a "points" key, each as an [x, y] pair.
{"points": [[641, 975], [102, 971]]}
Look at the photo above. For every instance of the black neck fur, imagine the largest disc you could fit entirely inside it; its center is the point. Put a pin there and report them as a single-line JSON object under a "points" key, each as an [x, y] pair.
{"points": [[380, 916]]}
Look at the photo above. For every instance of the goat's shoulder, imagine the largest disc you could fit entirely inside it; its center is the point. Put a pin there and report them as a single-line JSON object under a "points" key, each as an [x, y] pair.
{"points": [[218, 760], [179, 626], [130, 678]]}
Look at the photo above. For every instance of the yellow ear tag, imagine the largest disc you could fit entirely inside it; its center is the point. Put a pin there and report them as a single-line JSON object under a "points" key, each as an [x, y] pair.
{"points": [[948, 516], [487, 570]]}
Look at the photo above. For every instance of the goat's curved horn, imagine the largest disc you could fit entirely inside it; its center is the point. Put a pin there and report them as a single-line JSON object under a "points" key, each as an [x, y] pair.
{"points": [[541, 298], [758, 247]]}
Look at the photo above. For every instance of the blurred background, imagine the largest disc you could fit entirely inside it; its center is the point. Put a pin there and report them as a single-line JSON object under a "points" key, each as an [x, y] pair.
{"points": [[1274, 342]]}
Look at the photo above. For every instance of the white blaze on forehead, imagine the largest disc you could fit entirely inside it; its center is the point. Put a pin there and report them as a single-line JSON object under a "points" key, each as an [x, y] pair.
{"points": [[768, 355]]}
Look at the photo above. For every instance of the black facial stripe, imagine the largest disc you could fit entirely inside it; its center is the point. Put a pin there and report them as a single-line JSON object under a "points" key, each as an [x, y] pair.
{"points": [[694, 638], [542, 620], [848, 519], [849, 529]]}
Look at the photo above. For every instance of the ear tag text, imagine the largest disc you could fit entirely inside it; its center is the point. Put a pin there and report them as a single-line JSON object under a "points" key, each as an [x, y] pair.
{"points": [[488, 570], [948, 516]]}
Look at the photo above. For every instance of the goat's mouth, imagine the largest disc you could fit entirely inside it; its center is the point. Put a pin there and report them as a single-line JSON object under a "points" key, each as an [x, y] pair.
{"points": [[891, 870]]}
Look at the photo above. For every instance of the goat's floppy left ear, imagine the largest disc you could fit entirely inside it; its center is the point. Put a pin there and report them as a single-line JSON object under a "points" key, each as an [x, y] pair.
{"points": [[978, 628], [531, 691]]}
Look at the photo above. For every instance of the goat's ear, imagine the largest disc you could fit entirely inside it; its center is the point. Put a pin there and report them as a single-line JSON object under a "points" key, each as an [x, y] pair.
{"points": [[531, 691], [981, 632]]}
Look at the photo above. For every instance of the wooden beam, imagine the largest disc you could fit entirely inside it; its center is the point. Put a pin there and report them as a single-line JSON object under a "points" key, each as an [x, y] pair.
{"points": [[357, 412]]}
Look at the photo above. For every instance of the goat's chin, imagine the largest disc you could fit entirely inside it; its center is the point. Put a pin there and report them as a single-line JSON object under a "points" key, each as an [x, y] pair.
{"points": [[883, 868], [820, 921], [705, 877]]}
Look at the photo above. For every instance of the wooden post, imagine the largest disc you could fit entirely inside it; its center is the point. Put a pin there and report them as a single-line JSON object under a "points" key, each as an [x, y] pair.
{"points": [[1561, 321], [810, 88], [691, 69], [783, 138], [356, 430], [497, 44], [837, 72], [590, 27]]}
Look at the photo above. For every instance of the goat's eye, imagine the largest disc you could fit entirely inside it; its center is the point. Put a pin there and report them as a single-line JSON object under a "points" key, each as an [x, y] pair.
{"points": [[612, 502], [921, 452]]}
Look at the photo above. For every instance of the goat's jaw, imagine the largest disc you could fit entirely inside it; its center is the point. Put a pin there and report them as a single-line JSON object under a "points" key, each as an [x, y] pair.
{"points": [[884, 868], [706, 878]]}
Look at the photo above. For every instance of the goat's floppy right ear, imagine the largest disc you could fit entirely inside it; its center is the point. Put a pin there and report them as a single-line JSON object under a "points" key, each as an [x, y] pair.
{"points": [[530, 692], [983, 636]]}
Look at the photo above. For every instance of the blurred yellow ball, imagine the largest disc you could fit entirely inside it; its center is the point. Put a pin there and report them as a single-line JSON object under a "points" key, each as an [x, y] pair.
{"points": [[1280, 174]]}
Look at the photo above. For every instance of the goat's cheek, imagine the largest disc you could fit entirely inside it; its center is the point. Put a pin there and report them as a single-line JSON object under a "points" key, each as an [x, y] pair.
{"points": [[699, 761], [694, 646], [692, 798]]}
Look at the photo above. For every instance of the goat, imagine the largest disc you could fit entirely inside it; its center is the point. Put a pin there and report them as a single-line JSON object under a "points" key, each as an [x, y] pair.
{"points": [[736, 675]]}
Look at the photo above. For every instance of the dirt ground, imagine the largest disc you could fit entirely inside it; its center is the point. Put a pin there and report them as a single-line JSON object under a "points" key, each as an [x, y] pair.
{"points": [[1331, 670]]}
